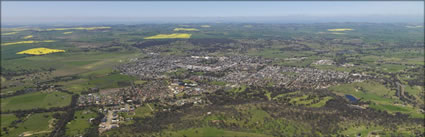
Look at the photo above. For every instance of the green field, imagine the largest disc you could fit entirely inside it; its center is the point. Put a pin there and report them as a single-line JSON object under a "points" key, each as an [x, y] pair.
{"points": [[80, 123], [101, 78], [36, 100], [6, 120], [366, 91], [382, 97], [140, 112], [39, 124], [111, 80]]}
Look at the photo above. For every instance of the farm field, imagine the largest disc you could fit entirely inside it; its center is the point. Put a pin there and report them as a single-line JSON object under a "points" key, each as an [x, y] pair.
{"points": [[42, 99], [40, 51], [26, 42], [7, 119], [170, 36], [40, 124], [185, 29]]}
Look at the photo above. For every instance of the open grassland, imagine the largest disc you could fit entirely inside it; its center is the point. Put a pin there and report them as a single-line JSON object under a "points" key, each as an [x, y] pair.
{"points": [[170, 36], [185, 29], [12, 90], [392, 68], [42, 99], [40, 51], [39, 124], [26, 42], [75, 86], [111, 80], [70, 62], [102, 79], [78, 126], [94, 62], [6, 120]]}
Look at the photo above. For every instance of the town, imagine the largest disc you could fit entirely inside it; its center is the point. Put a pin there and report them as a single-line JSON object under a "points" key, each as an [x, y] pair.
{"points": [[180, 80]]}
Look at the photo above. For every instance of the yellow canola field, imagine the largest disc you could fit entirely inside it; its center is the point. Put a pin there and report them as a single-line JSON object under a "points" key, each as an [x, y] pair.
{"points": [[67, 32], [28, 37], [26, 42], [170, 36], [342, 29], [19, 29], [8, 33], [79, 28], [185, 29], [205, 26], [40, 51]]}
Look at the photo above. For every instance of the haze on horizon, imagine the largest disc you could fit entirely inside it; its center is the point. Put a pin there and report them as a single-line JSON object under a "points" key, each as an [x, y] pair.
{"points": [[218, 11]]}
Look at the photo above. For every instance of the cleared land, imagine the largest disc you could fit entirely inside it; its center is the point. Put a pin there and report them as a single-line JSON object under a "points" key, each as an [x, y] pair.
{"points": [[185, 29], [26, 42], [39, 124], [40, 51], [36, 100], [170, 36], [81, 122]]}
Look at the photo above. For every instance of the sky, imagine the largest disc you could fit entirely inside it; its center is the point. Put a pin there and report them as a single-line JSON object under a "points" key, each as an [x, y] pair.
{"points": [[145, 11]]}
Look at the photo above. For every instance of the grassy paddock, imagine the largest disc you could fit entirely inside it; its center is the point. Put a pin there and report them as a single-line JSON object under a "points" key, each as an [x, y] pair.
{"points": [[80, 123], [36, 100]]}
